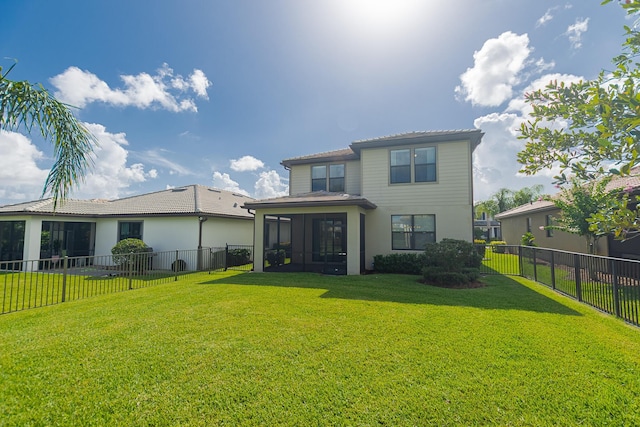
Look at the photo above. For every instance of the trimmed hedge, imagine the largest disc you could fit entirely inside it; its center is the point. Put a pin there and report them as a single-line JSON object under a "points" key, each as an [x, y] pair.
{"points": [[406, 263]]}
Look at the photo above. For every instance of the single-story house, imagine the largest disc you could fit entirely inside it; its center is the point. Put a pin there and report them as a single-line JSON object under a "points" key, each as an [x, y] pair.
{"points": [[534, 217], [187, 217]]}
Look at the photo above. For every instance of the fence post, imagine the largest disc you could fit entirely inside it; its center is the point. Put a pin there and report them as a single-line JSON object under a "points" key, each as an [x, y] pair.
{"points": [[520, 261], [226, 256], [64, 277], [535, 265], [616, 295], [131, 273], [578, 274], [210, 259], [553, 271], [175, 268]]}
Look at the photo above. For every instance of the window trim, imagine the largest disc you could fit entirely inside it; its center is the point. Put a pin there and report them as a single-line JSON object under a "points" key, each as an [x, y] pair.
{"points": [[328, 179], [130, 237], [411, 234], [549, 222], [412, 164]]}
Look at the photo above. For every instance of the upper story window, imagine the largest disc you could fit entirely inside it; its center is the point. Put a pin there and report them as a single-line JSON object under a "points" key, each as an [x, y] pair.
{"points": [[329, 177], [413, 165], [130, 230]]}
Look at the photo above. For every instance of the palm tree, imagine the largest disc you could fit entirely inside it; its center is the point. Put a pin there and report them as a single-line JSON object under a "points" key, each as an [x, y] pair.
{"points": [[25, 105]]}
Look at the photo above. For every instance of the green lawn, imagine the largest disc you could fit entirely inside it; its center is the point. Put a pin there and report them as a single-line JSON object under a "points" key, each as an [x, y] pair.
{"points": [[305, 349]]}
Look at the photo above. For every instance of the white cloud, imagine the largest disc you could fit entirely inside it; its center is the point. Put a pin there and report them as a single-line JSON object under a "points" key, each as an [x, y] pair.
{"points": [[270, 184], [110, 173], [548, 16], [224, 182], [159, 158], [20, 176], [496, 70], [79, 88], [574, 32], [246, 163], [495, 162]]}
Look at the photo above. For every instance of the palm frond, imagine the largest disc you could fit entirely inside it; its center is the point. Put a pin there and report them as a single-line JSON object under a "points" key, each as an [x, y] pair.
{"points": [[25, 105]]}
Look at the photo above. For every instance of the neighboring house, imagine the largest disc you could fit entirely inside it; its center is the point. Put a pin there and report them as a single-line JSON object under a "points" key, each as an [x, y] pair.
{"points": [[539, 214], [179, 218], [489, 226], [379, 196]]}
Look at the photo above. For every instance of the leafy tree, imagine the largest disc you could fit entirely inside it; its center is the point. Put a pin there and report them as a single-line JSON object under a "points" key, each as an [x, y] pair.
{"points": [[505, 199], [527, 195], [589, 129], [24, 105], [578, 205], [488, 207], [587, 126]]}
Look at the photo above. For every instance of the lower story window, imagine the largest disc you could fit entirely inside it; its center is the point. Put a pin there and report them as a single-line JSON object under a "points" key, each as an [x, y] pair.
{"points": [[412, 232], [130, 230]]}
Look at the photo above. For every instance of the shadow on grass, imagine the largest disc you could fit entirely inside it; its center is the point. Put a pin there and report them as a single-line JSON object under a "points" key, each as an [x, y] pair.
{"points": [[500, 293]]}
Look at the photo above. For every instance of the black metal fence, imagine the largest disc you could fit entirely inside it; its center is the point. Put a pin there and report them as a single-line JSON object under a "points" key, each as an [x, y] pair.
{"points": [[38, 283], [608, 284]]}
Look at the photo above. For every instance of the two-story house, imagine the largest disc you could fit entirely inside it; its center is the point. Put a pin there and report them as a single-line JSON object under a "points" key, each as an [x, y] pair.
{"points": [[378, 196]]}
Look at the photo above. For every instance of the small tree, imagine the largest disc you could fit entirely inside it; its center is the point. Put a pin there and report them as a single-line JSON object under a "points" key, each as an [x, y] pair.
{"points": [[585, 128], [131, 254], [579, 205]]}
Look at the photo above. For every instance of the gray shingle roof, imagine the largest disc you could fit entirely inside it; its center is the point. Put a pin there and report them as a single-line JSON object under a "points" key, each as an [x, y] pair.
{"points": [[353, 152], [417, 137], [328, 156], [631, 181], [189, 200]]}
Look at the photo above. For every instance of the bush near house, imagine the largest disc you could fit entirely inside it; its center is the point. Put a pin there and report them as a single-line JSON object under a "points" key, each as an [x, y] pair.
{"points": [[238, 257], [407, 263], [498, 246], [451, 263], [131, 255]]}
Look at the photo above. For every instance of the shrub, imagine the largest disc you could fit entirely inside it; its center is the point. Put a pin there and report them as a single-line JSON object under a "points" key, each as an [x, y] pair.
{"points": [[452, 263], [498, 246], [131, 254], [528, 239], [405, 263], [452, 255], [238, 257], [441, 277], [481, 246], [276, 257]]}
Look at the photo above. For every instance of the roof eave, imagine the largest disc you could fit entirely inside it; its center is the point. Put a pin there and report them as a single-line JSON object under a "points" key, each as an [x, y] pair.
{"points": [[365, 204]]}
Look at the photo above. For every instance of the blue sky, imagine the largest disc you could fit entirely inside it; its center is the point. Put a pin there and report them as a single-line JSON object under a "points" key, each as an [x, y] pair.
{"points": [[218, 92]]}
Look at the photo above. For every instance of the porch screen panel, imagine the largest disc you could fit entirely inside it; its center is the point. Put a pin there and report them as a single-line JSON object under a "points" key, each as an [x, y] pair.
{"points": [[328, 240]]}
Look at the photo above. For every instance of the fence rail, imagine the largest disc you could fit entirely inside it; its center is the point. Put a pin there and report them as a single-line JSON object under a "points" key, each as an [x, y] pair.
{"points": [[609, 284], [38, 283]]}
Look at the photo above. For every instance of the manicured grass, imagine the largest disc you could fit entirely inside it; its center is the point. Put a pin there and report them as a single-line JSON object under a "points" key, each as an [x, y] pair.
{"points": [[306, 349], [23, 290]]}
